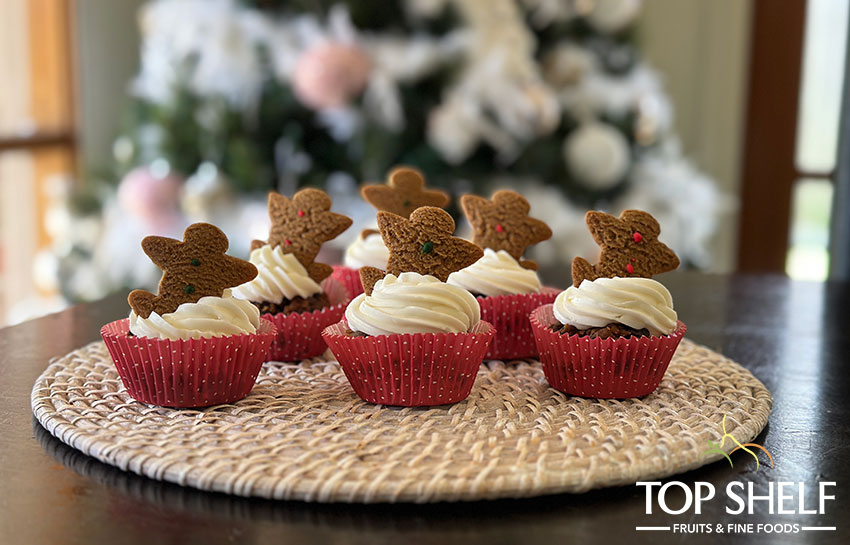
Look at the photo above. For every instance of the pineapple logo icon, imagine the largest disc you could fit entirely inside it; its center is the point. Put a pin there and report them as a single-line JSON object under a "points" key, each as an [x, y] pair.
{"points": [[717, 448]]}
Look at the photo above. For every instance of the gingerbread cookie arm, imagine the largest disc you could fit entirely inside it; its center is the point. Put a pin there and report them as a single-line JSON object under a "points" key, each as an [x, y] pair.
{"points": [[528, 264], [318, 271]]}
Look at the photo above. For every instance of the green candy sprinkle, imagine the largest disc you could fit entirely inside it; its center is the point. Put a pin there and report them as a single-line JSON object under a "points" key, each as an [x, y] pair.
{"points": [[196, 262], [189, 289], [428, 247]]}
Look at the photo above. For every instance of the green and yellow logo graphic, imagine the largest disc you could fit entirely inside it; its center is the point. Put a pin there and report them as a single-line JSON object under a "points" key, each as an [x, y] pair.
{"points": [[717, 448]]}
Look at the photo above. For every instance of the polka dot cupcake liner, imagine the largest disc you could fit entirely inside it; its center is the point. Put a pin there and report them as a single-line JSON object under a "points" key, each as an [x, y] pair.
{"points": [[411, 370], [190, 372], [509, 315], [602, 368], [349, 278], [299, 335]]}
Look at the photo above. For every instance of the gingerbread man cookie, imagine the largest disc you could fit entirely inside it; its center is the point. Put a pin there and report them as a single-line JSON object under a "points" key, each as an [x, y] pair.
{"points": [[503, 223], [194, 268], [630, 247], [403, 193], [423, 244], [301, 225]]}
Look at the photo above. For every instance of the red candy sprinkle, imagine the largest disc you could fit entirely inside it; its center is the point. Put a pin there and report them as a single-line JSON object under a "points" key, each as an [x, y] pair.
{"points": [[637, 236], [630, 269], [499, 227], [300, 213], [287, 241]]}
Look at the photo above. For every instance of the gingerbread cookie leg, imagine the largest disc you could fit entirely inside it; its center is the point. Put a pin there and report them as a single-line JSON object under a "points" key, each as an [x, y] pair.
{"points": [[582, 270], [369, 276]]}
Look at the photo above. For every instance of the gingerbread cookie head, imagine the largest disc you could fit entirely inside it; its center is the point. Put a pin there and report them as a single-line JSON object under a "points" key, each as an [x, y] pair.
{"points": [[630, 247], [403, 193], [192, 268], [300, 226], [424, 244], [503, 223]]}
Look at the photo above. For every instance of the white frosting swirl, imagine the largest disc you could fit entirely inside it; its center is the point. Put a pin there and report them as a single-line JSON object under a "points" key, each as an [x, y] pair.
{"points": [[367, 252], [279, 276], [635, 302], [208, 317], [413, 303], [496, 273]]}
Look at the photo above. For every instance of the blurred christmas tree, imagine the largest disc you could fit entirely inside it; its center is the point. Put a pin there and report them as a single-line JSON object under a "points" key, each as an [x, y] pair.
{"points": [[236, 98]]}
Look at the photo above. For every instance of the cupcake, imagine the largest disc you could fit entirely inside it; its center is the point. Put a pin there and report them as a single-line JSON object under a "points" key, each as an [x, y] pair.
{"points": [[613, 333], [411, 339], [292, 290], [192, 344], [403, 193], [506, 285]]}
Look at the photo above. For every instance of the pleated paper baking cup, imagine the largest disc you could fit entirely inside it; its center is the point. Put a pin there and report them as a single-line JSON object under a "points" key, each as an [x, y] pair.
{"points": [[602, 368], [350, 278], [299, 335], [509, 315], [411, 370], [190, 372]]}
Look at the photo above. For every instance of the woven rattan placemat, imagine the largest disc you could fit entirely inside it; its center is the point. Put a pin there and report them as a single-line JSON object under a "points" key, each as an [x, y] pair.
{"points": [[303, 434]]}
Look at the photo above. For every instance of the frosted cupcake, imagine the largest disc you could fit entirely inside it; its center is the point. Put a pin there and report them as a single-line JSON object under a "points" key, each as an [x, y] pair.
{"points": [[506, 285], [613, 333], [403, 193], [292, 290], [412, 339], [192, 344]]}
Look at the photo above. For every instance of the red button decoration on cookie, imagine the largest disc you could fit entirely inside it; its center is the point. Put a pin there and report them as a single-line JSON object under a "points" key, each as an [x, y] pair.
{"points": [[637, 237]]}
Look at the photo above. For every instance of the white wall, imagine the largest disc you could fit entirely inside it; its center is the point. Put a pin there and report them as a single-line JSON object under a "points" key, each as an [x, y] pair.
{"points": [[702, 49], [107, 58]]}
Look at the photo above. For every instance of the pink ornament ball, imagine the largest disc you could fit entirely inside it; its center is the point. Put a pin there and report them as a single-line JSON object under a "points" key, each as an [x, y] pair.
{"points": [[150, 198], [330, 75]]}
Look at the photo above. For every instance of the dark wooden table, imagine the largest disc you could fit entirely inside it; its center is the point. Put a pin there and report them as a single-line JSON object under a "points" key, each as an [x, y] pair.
{"points": [[795, 337]]}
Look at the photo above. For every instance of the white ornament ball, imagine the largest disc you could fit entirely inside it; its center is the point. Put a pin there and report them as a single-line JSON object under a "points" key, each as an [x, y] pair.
{"points": [[612, 16], [206, 192], [566, 65], [330, 75], [597, 155]]}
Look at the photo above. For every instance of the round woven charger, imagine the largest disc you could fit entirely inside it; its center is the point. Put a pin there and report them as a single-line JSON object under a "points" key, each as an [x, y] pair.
{"points": [[303, 434]]}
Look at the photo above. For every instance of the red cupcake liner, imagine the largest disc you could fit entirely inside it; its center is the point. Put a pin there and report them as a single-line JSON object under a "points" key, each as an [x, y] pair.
{"points": [[602, 368], [411, 370], [350, 278], [509, 315], [299, 335], [190, 372]]}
